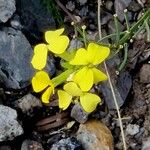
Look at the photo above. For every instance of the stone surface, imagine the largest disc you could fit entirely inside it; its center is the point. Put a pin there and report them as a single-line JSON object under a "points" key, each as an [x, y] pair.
{"points": [[79, 114], [70, 5], [120, 5], [9, 126], [67, 144], [145, 73], [94, 135], [82, 2], [31, 145], [35, 16], [15, 57], [7, 8], [5, 147], [122, 85], [132, 129], [28, 103], [146, 144]]}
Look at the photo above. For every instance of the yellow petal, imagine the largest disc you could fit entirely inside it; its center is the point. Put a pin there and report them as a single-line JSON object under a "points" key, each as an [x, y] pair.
{"points": [[40, 81], [89, 102], [46, 95], [84, 78], [80, 57], [72, 89], [59, 45], [64, 99], [50, 35], [98, 75], [97, 53], [40, 56]]}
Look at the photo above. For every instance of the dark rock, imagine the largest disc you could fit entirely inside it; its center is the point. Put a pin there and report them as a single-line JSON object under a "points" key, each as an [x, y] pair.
{"points": [[121, 84], [28, 103], [70, 5], [7, 8], [5, 147], [120, 6], [35, 16], [9, 127], [67, 144], [15, 57], [31, 145], [145, 73], [134, 6], [15, 22], [82, 2], [109, 5], [83, 12], [79, 114]]}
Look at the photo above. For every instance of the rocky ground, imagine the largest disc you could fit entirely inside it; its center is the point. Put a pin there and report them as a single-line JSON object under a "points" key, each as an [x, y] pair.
{"points": [[25, 124]]}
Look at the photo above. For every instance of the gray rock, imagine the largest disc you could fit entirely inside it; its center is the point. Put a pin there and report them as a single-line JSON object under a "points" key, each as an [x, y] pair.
{"points": [[15, 59], [15, 22], [74, 45], [31, 145], [70, 5], [83, 12], [35, 16], [9, 126], [109, 4], [7, 8], [145, 73], [120, 6], [79, 114], [5, 147], [132, 129], [146, 144], [82, 2], [67, 144], [122, 85], [28, 103], [134, 6]]}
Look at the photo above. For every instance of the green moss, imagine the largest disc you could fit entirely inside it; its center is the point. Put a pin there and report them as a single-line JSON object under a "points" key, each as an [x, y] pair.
{"points": [[52, 7]]}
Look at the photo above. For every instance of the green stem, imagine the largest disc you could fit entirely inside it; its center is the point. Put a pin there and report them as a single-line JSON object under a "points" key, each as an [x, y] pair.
{"points": [[147, 29], [62, 77], [109, 36], [84, 38], [134, 28], [117, 28], [127, 20], [121, 66]]}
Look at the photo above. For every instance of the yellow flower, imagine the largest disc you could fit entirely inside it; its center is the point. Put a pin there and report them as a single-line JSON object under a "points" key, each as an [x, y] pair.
{"points": [[87, 100], [57, 44], [40, 82], [89, 59]]}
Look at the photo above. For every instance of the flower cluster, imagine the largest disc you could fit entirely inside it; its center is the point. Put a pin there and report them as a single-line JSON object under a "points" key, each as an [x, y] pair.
{"points": [[84, 72]]}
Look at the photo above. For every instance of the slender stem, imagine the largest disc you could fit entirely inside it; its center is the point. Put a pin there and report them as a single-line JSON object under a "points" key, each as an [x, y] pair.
{"points": [[127, 20], [121, 66], [62, 77], [84, 35], [112, 89], [110, 35], [147, 29], [117, 28], [117, 107], [134, 28], [99, 19]]}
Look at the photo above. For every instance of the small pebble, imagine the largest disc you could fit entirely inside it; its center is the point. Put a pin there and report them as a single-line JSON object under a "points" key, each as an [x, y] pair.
{"points": [[132, 129]]}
